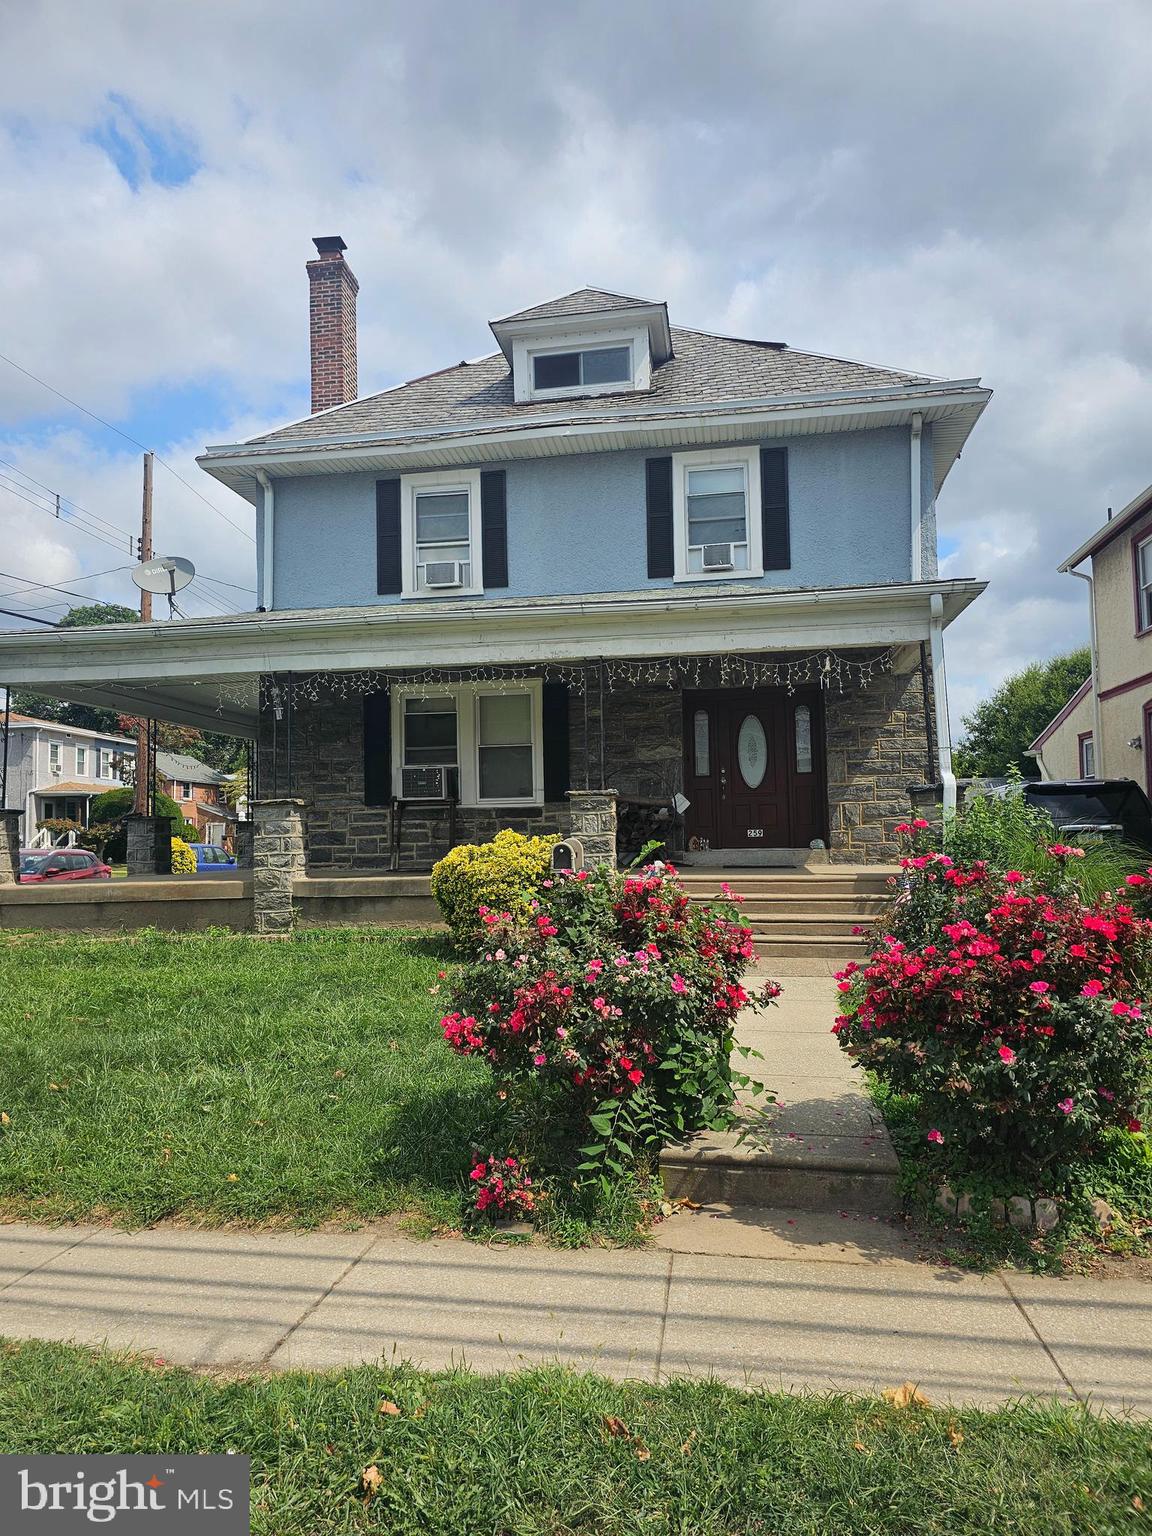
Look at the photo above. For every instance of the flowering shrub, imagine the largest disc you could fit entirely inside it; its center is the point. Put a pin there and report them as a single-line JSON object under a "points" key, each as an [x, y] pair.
{"points": [[1012, 1012], [606, 1011], [183, 859], [505, 873], [500, 1186]]}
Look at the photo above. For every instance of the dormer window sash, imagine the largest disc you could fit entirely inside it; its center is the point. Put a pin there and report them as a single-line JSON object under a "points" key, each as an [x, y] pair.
{"points": [[570, 362], [583, 367]]}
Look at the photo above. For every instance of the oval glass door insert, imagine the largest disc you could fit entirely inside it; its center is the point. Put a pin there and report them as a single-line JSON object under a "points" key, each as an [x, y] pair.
{"points": [[752, 752]]}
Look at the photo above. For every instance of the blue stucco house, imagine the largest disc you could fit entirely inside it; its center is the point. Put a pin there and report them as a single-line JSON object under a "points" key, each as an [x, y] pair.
{"points": [[616, 553]]}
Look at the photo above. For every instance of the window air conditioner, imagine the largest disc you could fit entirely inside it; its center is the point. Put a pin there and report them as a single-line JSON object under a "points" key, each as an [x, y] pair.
{"points": [[424, 783], [444, 573], [718, 557]]}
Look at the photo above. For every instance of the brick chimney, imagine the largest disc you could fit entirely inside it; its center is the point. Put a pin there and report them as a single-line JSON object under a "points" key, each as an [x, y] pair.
{"points": [[332, 291]]}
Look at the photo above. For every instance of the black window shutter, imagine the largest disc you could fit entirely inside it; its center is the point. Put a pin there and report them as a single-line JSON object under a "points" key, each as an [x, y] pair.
{"points": [[494, 527], [389, 576], [555, 732], [377, 748], [661, 561], [774, 517]]}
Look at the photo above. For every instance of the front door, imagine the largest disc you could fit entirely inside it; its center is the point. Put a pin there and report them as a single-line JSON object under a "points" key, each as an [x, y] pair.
{"points": [[753, 771]]}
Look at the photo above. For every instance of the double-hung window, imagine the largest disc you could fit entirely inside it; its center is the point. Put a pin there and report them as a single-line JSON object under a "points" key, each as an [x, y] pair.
{"points": [[1144, 585], [441, 534], [54, 756], [1087, 749], [431, 755], [477, 745], [105, 763], [716, 504], [82, 761]]}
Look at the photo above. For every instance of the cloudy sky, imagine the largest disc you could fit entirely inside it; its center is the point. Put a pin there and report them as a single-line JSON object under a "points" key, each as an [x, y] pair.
{"points": [[960, 190]]}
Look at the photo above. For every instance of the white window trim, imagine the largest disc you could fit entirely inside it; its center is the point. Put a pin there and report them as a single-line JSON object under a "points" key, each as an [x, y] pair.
{"points": [[440, 480], [82, 757], [104, 763], [1141, 627], [716, 458], [467, 697], [635, 338]]}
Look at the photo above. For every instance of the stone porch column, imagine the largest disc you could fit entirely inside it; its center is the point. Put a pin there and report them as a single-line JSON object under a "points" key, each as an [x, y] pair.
{"points": [[594, 823], [9, 847], [149, 845], [277, 862], [242, 835]]}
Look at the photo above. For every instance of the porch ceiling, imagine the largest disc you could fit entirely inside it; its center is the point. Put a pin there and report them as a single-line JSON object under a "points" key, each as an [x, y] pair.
{"points": [[204, 672]]}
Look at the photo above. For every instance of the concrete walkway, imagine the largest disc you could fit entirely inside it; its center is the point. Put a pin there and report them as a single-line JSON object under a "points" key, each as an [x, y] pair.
{"points": [[855, 1320]]}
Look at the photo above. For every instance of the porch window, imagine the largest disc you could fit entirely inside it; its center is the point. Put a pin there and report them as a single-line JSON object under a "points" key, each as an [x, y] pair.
{"points": [[440, 534], [504, 746], [491, 744], [1144, 586], [716, 508], [431, 741]]}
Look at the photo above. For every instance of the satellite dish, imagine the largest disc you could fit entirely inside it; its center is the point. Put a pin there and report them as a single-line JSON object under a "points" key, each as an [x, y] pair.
{"points": [[168, 574]]}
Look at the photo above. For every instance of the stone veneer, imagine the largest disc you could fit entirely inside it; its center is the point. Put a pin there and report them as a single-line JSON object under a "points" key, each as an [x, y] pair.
{"points": [[875, 741], [9, 847], [277, 861]]}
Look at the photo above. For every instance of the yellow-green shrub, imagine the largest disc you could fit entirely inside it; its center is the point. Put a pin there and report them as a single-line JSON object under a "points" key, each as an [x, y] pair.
{"points": [[183, 859], [505, 873]]}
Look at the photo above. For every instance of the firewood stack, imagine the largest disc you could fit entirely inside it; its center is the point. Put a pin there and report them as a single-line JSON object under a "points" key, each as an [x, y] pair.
{"points": [[640, 821]]}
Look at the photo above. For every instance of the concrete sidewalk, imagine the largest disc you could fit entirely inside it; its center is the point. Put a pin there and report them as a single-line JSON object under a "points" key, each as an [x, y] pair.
{"points": [[858, 1320]]}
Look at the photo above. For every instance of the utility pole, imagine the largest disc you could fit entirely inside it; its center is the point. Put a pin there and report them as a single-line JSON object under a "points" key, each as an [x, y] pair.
{"points": [[142, 795]]}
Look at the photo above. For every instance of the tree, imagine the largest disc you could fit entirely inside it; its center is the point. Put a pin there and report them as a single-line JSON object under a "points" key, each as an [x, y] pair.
{"points": [[999, 731], [83, 716]]}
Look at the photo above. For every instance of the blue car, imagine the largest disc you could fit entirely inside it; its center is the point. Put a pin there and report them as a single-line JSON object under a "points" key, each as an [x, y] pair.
{"points": [[211, 860]]}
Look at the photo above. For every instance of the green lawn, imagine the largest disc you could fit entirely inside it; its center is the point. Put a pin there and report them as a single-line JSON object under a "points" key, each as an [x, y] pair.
{"points": [[536, 1454], [229, 1078]]}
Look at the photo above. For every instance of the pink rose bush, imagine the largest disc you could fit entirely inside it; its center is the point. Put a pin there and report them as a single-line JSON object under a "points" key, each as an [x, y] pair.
{"points": [[1014, 1015], [606, 1014], [500, 1186]]}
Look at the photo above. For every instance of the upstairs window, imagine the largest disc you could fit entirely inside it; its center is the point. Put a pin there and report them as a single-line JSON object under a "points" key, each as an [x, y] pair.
{"points": [[1087, 750], [82, 761], [441, 534], [54, 756], [716, 505], [1144, 586], [104, 764], [582, 370]]}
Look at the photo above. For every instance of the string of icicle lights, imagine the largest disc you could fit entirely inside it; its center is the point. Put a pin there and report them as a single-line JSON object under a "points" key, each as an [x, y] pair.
{"points": [[825, 669]]}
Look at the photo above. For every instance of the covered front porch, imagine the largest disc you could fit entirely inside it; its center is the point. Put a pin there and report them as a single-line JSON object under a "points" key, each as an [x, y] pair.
{"points": [[740, 728]]}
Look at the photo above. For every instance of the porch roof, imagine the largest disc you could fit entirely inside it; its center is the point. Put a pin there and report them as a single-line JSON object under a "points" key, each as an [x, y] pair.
{"points": [[203, 672]]}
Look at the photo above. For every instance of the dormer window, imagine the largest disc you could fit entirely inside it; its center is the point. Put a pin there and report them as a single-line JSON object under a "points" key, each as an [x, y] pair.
{"points": [[583, 369]]}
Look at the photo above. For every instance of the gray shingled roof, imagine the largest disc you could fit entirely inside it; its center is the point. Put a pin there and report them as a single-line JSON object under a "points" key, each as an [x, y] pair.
{"points": [[705, 370], [585, 301], [188, 770]]}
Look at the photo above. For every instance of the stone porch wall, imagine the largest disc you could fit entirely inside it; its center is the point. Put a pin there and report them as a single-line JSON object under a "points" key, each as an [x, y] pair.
{"points": [[875, 738]]}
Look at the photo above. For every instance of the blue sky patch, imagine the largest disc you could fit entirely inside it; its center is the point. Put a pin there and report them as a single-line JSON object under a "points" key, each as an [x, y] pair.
{"points": [[142, 149]]}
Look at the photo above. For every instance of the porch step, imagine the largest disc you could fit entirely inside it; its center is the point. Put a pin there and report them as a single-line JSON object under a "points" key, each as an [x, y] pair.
{"points": [[797, 948], [815, 1173]]}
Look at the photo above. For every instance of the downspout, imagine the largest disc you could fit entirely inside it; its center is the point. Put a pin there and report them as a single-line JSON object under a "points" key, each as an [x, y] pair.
{"points": [[1097, 735], [940, 694], [917, 510], [266, 592]]}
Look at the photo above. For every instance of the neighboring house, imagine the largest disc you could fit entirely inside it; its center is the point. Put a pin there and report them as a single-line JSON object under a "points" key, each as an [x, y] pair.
{"points": [[56, 771], [199, 792], [1105, 729], [614, 553]]}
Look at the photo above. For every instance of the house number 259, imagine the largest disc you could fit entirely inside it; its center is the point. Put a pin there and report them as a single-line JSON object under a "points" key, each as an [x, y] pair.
{"points": [[755, 831]]}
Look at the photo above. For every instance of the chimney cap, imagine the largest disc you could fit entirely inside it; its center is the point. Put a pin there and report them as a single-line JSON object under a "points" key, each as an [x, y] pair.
{"points": [[329, 245]]}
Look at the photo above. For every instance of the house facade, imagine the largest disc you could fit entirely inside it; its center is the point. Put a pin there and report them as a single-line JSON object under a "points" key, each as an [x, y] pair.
{"points": [[613, 555], [56, 771], [1105, 729], [199, 792]]}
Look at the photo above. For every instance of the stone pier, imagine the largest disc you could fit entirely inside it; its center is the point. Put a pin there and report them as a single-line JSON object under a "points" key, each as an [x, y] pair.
{"points": [[149, 845], [277, 862], [594, 823], [9, 847]]}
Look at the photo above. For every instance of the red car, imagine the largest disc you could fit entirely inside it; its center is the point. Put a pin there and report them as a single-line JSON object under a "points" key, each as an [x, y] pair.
{"points": [[60, 864]]}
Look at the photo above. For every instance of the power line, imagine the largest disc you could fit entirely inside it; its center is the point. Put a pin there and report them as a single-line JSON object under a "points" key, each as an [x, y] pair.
{"points": [[128, 438], [49, 586], [62, 501], [12, 614], [220, 582]]}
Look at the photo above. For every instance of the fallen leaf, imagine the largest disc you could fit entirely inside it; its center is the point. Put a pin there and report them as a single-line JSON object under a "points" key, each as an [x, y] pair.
{"points": [[642, 1451], [232, 1177], [389, 1408], [616, 1426], [907, 1395], [955, 1434], [686, 1448], [858, 1445], [371, 1480], [166, 1154], [55, 1087], [1137, 1502], [4, 1120]]}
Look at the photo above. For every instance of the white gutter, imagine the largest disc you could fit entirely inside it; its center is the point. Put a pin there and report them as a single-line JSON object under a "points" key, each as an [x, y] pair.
{"points": [[940, 695], [266, 591], [1097, 734], [917, 532]]}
